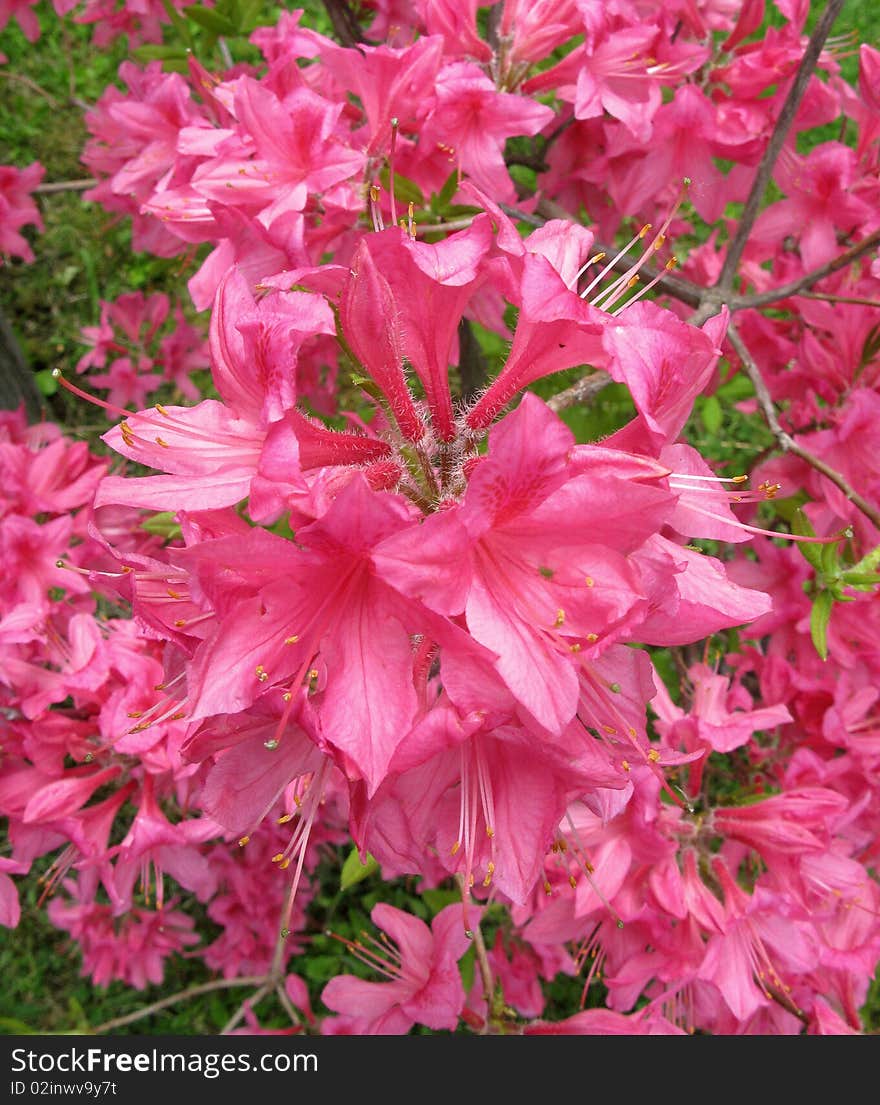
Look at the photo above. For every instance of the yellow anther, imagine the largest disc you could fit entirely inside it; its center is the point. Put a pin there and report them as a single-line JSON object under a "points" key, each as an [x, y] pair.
{"points": [[261, 673], [591, 637], [162, 410], [490, 832], [548, 889], [313, 673], [164, 444], [653, 755], [374, 193], [671, 263], [286, 696], [278, 857], [284, 819], [176, 717], [135, 713], [610, 730], [740, 479], [572, 881], [574, 648], [632, 732], [644, 230], [589, 581], [292, 639], [174, 594], [560, 618], [242, 840], [625, 764], [180, 622], [661, 238], [455, 847], [284, 864]]}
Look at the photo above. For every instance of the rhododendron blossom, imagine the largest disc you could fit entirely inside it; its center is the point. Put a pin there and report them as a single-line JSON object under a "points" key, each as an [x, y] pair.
{"points": [[359, 594]]}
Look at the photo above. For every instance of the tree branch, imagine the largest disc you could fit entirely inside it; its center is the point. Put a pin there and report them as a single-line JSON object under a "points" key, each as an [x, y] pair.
{"points": [[788, 443], [346, 26], [65, 186], [182, 995], [777, 139], [762, 299], [580, 392]]}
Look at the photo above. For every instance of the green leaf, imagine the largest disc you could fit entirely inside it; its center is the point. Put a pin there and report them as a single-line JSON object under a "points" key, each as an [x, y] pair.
{"points": [[819, 618], [869, 562], [439, 899], [467, 968], [353, 871], [712, 414], [405, 191], [178, 22], [166, 54], [800, 524], [162, 524], [441, 201], [211, 20]]}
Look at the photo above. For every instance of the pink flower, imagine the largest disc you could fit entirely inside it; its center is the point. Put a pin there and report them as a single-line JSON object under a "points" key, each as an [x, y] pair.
{"points": [[421, 965], [17, 208]]}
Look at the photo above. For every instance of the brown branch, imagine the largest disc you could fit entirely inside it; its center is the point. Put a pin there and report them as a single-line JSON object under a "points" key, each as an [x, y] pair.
{"points": [[249, 1002], [580, 392], [55, 186], [345, 24], [786, 441], [777, 139], [182, 995], [761, 299]]}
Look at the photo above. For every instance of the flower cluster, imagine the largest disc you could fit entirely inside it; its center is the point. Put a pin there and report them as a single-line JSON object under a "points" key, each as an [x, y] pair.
{"points": [[581, 681]]}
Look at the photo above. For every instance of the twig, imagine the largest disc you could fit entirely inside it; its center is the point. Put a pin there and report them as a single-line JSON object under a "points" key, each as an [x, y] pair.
{"points": [[32, 85], [54, 186], [788, 443], [479, 948], [248, 1003], [287, 1005], [854, 299], [182, 995], [580, 392], [794, 287], [346, 26], [777, 139]]}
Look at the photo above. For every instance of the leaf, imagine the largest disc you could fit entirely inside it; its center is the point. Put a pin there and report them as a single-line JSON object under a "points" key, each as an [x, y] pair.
{"points": [[353, 871], [211, 20], [467, 968], [162, 524], [868, 562], [800, 524], [712, 414], [405, 191], [178, 22], [819, 618], [436, 900], [441, 201]]}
